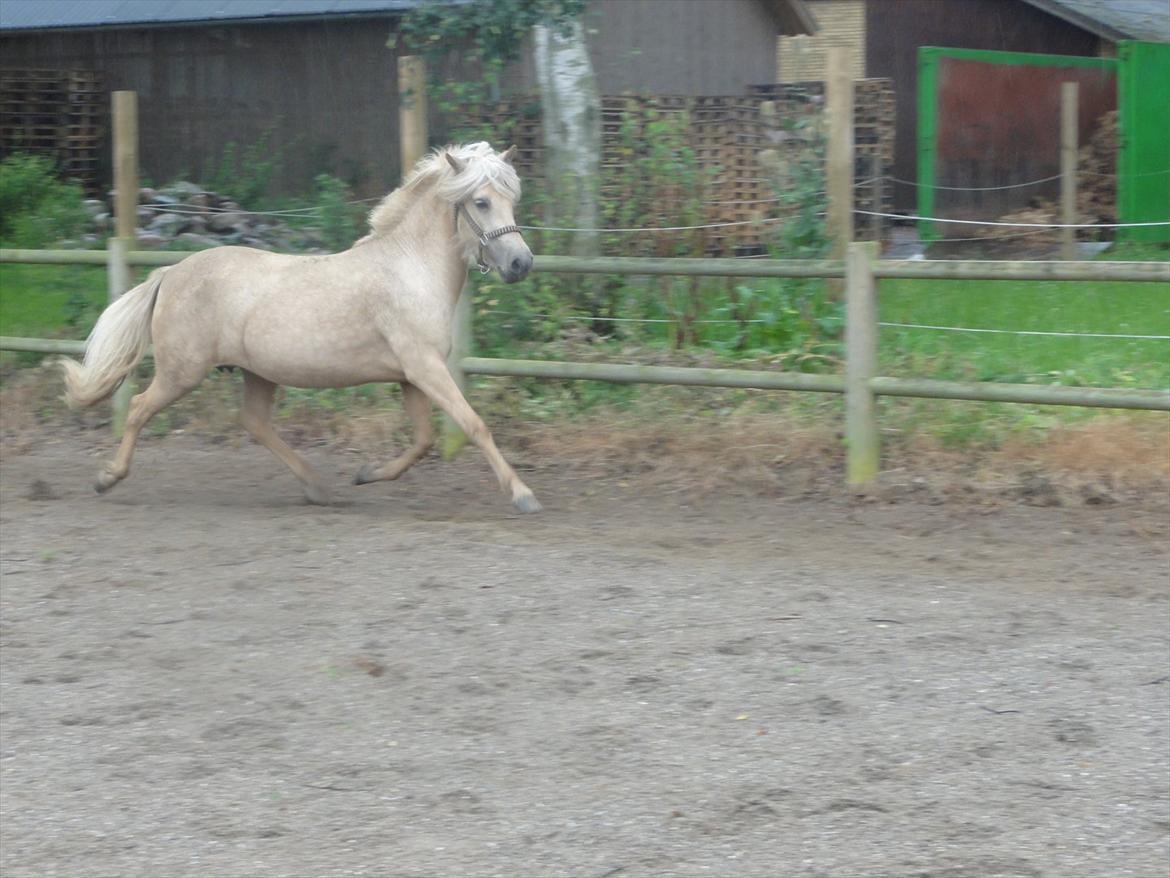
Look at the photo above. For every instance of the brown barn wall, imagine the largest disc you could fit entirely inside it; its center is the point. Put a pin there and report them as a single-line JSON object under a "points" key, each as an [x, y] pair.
{"points": [[327, 91], [681, 47], [896, 28], [671, 47]]}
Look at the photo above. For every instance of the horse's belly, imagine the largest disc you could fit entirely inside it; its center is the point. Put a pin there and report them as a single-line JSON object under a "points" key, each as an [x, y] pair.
{"points": [[307, 371], [325, 350], [324, 377]]}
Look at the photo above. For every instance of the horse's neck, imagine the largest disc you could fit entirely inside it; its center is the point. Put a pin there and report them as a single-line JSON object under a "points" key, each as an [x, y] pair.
{"points": [[426, 233]]}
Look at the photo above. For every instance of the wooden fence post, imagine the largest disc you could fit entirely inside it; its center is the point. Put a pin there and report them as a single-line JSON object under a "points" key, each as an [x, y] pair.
{"points": [[412, 139], [453, 439], [839, 170], [1068, 168], [412, 110], [862, 444], [119, 278]]}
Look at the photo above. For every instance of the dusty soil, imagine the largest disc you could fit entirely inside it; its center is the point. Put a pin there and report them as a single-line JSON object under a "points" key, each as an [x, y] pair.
{"points": [[203, 676]]}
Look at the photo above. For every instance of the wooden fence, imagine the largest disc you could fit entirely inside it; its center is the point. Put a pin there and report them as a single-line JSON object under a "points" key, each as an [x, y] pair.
{"points": [[856, 264], [861, 385]]}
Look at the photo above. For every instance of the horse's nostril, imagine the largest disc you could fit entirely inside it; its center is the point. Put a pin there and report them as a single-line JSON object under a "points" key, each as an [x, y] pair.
{"points": [[520, 265]]}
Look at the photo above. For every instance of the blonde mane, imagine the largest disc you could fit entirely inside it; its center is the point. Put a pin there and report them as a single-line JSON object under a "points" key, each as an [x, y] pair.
{"points": [[481, 166]]}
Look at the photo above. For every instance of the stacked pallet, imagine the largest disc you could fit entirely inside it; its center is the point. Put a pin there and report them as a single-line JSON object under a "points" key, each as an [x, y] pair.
{"points": [[751, 153], [639, 135], [59, 114], [873, 137]]}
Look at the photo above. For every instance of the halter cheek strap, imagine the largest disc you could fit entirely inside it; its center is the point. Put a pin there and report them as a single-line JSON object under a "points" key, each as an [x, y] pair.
{"points": [[482, 236]]}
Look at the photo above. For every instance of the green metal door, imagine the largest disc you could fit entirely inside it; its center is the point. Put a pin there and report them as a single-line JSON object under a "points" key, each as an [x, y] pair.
{"points": [[1143, 167]]}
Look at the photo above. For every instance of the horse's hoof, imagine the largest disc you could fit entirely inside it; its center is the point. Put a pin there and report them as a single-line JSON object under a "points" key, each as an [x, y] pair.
{"points": [[104, 482], [526, 503], [318, 496], [366, 475]]}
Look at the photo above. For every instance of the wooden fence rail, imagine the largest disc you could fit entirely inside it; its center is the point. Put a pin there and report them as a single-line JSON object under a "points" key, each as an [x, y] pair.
{"points": [[861, 271]]}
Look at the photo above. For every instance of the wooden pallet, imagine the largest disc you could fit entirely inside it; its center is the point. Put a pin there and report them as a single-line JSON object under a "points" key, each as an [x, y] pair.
{"points": [[727, 136], [59, 114]]}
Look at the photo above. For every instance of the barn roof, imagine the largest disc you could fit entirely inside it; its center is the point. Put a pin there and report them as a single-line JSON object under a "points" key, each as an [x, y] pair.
{"points": [[791, 16], [57, 14], [1114, 20]]}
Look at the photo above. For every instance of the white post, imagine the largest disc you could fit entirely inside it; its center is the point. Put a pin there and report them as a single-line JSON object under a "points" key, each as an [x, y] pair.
{"points": [[1068, 168], [454, 438], [412, 110], [118, 275], [412, 139], [862, 441], [839, 169]]}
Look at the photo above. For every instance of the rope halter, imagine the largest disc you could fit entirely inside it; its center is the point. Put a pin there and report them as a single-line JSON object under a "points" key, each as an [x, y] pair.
{"points": [[482, 236]]}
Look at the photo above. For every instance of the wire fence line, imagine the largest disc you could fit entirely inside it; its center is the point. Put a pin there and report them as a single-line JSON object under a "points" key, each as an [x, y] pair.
{"points": [[999, 237], [640, 229], [975, 188], [897, 216], [191, 210], [966, 222], [1054, 177], [195, 210], [585, 318], [1026, 332]]}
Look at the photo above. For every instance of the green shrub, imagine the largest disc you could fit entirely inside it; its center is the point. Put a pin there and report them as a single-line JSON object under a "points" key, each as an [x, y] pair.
{"points": [[245, 173], [37, 209], [340, 219]]}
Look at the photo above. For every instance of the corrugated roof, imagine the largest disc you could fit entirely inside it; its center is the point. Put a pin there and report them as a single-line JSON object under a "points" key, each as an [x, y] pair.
{"points": [[1114, 20], [792, 16], [52, 14]]}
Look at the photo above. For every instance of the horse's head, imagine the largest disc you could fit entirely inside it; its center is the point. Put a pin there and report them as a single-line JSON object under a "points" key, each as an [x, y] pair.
{"points": [[485, 190]]}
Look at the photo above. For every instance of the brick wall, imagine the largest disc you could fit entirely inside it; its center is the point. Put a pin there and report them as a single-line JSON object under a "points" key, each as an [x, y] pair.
{"points": [[842, 23]]}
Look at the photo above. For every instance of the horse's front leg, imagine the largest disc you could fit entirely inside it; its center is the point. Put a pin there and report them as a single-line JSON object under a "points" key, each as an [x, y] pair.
{"points": [[429, 374], [418, 409]]}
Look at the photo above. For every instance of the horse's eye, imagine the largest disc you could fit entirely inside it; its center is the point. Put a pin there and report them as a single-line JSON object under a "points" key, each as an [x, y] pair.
{"points": [[482, 203]]}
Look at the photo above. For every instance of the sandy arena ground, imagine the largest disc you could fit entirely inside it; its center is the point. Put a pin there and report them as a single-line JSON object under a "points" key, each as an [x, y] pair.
{"points": [[204, 677]]}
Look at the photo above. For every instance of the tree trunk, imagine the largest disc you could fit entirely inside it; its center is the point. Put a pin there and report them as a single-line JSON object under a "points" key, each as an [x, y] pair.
{"points": [[571, 109]]}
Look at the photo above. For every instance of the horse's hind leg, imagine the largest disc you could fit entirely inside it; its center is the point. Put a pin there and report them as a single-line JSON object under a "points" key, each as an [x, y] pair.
{"points": [[418, 409], [256, 417], [163, 391]]}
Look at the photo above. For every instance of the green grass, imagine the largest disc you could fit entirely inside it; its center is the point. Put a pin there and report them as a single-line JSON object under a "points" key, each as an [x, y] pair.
{"points": [[50, 301], [1116, 308]]}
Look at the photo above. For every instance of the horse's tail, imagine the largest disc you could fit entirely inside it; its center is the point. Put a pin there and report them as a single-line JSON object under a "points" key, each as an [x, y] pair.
{"points": [[113, 349]]}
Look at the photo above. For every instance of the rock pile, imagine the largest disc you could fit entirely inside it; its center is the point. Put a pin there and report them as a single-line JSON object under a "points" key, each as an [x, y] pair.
{"points": [[188, 215]]}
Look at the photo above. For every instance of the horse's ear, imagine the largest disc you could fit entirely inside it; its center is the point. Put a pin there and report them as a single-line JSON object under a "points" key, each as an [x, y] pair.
{"points": [[455, 163], [507, 154]]}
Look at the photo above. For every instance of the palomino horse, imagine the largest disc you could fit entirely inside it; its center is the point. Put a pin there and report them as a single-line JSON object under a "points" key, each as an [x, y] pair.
{"points": [[380, 311]]}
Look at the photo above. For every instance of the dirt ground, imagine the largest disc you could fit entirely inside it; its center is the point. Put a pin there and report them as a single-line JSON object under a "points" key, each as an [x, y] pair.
{"points": [[204, 676]]}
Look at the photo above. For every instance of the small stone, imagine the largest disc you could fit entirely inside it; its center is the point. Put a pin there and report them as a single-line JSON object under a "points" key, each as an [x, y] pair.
{"points": [[226, 222], [41, 490]]}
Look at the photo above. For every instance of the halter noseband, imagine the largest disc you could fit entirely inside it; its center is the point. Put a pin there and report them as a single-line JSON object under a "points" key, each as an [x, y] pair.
{"points": [[482, 236]]}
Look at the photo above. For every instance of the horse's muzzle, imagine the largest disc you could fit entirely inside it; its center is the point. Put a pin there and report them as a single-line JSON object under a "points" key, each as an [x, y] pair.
{"points": [[517, 269]]}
